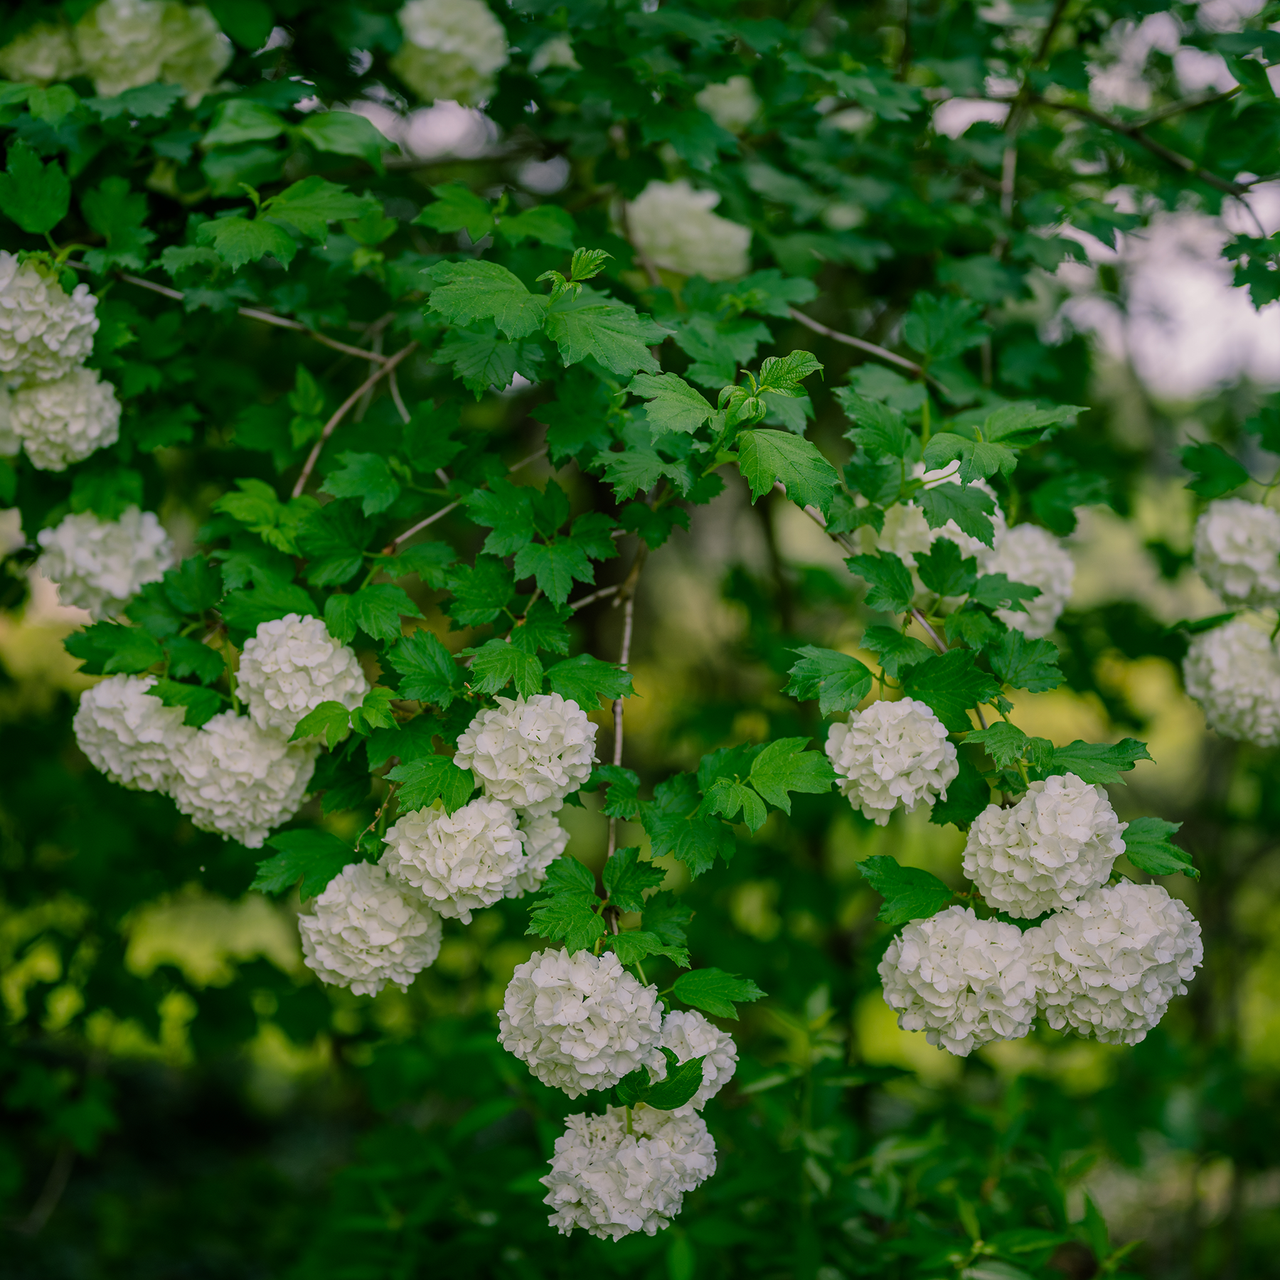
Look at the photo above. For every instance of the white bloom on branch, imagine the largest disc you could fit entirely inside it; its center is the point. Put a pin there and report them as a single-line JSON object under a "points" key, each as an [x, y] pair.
{"points": [[290, 665], [580, 1021], [1047, 851], [544, 841], [452, 50], [41, 55], [64, 421], [44, 332], [673, 226], [367, 929], [1237, 552], [460, 861], [1233, 672], [733, 105], [530, 752], [963, 981], [1109, 966], [237, 780], [128, 734], [100, 565], [892, 754], [1033, 556], [690, 1035], [611, 1183]]}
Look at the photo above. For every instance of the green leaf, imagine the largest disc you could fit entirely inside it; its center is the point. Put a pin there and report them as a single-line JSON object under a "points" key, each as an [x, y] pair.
{"points": [[380, 608], [970, 508], [343, 133], [622, 798], [568, 907], [946, 570], [457, 208], [1055, 501], [973, 627], [587, 680], [119, 214], [909, 893], [942, 327], [632, 1087], [978, 458], [1216, 471], [997, 592], [783, 374], [507, 509], [1026, 664], [668, 919], [890, 580], [237, 241], [188, 657], [896, 651], [949, 684], [312, 204], [340, 617], [313, 856], [365, 476], [1148, 846], [673, 404], [692, 134], [555, 566], [429, 560], [147, 101], [242, 120], [1005, 743], [681, 1084], [427, 669], [593, 324], [54, 104], [431, 778], [480, 591], [728, 797], [547, 224], [1022, 424], [202, 704], [246, 610], [765, 457], [1101, 762], [36, 196], [714, 991], [374, 712], [330, 722], [838, 681], [674, 826], [636, 470], [495, 664], [484, 360], [879, 429], [257, 508], [333, 538], [465, 292], [194, 586], [626, 878], [785, 766], [633, 945], [247, 22], [968, 794]]}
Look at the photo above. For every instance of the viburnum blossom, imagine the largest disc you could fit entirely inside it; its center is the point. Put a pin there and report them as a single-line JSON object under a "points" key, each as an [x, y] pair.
{"points": [[1233, 672], [1110, 965], [290, 665], [1237, 552], [611, 1183], [672, 224], [44, 331], [544, 841], [460, 861], [580, 1021], [1032, 555], [530, 752], [961, 980], [733, 105], [892, 754], [451, 49], [41, 54], [238, 780], [690, 1035], [128, 734], [1058, 842], [368, 929], [100, 565], [64, 421]]}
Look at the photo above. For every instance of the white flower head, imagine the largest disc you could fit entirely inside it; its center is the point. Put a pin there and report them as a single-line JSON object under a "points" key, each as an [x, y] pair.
{"points": [[1109, 966], [452, 50], [580, 1021], [64, 421], [689, 1035], [963, 981], [1233, 672], [367, 929], [1237, 552], [460, 861], [129, 734], [44, 331], [672, 224], [290, 665], [237, 780], [611, 1183], [733, 105], [892, 754], [554, 53], [1046, 852], [40, 55], [100, 565], [530, 752], [544, 841], [1033, 556]]}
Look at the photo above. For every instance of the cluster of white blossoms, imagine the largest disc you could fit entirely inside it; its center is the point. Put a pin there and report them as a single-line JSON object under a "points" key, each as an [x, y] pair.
{"points": [[672, 224], [891, 754], [128, 734], [544, 841], [452, 50], [1233, 672], [64, 421], [100, 565], [733, 105], [689, 1035], [122, 44], [1237, 552], [1031, 555]]}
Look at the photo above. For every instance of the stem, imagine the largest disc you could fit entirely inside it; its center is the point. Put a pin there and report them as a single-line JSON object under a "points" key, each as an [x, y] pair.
{"points": [[594, 596], [870, 347], [938, 642], [627, 596]]}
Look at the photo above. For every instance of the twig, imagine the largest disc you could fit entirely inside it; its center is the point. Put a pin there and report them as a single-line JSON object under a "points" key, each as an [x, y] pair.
{"points": [[594, 596], [54, 1185], [938, 642], [862, 344], [627, 598], [341, 412], [817, 517], [397, 399]]}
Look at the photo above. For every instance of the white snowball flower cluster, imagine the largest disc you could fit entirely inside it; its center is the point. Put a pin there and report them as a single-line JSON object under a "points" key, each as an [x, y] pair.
{"points": [[963, 981], [460, 861], [530, 752], [733, 105], [452, 50], [544, 841], [44, 331], [290, 665], [1237, 552], [1110, 965], [580, 1021], [892, 754], [239, 780], [611, 1183], [99, 565], [672, 224], [1032, 555], [1057, 843], [130, 735], [1233, 672], [64, 421], [689, 1035], [41, 55], [367, 930]]}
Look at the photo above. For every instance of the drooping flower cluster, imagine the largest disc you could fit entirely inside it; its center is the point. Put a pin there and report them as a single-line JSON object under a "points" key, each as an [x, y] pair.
{"points": [[100, 565], [1233, 672], [891, 754], [733, 105], [1237, 552], [128, 734], [544, 841], [41, 54], [64, 421], [1031, 555], [689, 1035], [673, 226], [452, 50]]}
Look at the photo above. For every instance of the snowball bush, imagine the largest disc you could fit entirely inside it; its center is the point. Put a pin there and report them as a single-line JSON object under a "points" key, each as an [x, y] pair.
{"points": [[128, 734], [460, 861], [733, 105], [891, 754], [672, 224], [44, 331], [1237, 552], [237, 780], [689, 1035], [544, 841], [1053, 846], [100, 565], [290, 665], [451, 49], [961, 980], [1233, 672], [530, 752], [40, 55], [64, 421], [1032, 555], [610, 1182], [1109, 966], [367, 929], [580, 1021]]}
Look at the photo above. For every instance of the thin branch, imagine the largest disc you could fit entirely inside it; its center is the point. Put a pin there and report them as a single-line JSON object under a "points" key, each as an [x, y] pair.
{"points": [[397, 399], [627, 597], [1188, 104], [592, 598], [817, 517], [938, 642], [341, 412], [54, 1185], [862, 344]]}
